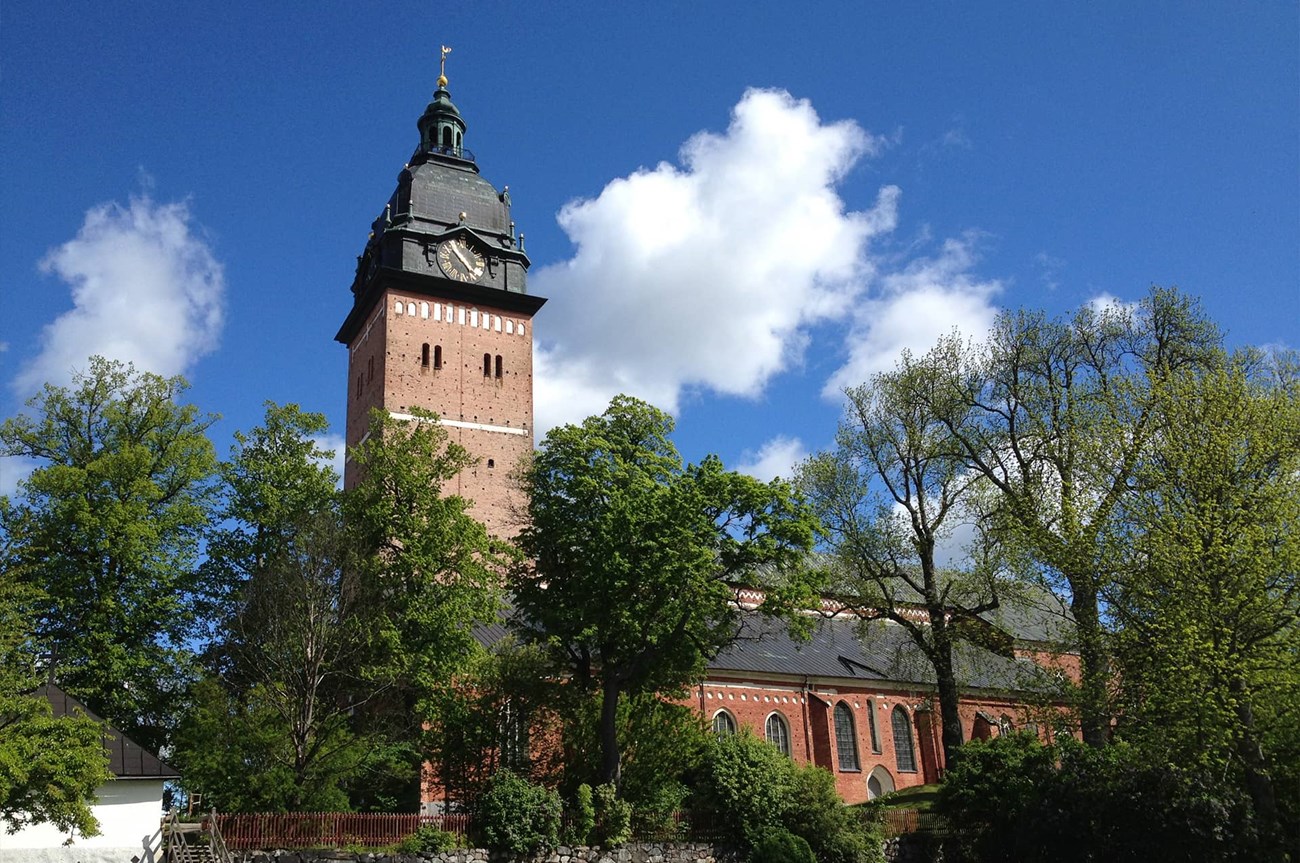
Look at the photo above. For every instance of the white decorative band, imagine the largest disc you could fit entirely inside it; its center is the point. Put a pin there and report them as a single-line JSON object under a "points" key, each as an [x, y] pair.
{"points": [[462, 425]]}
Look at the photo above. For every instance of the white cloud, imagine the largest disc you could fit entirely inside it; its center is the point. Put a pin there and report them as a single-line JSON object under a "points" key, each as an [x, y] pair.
{"points": [[776, 458], [334, 445], [1103, 302], [146, 288], [708, 274], [912, 308], [13, 470]]}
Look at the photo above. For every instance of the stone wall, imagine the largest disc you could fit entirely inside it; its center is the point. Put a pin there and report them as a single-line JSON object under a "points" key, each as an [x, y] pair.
{"points": [[637, 852]]}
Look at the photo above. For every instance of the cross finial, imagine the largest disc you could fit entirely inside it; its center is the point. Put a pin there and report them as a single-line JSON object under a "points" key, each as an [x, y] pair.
{"points": [[442, 70]]}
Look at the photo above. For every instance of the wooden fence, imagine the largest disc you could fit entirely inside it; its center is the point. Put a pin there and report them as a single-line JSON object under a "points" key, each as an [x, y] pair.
{"points": [[330, 829], [896, 822]]}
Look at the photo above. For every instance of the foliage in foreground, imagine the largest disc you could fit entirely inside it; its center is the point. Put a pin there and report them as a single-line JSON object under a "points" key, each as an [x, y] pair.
{"points": [[634, 557], [1013, 799], [517, 817], [754, 793], [49, 768]]}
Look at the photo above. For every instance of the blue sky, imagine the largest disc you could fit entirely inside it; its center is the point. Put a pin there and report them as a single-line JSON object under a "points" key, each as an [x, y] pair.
{"points": [[734, 207]]}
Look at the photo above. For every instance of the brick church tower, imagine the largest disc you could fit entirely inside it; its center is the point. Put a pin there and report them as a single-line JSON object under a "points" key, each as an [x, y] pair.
{"points": [[441, 317]]}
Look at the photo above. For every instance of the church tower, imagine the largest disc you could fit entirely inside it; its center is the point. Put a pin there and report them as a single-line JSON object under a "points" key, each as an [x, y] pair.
{"points": [[441, 317]]}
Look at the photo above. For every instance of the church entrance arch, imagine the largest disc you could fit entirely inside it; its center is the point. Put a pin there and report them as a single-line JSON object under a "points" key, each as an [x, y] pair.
{"points": [[879, 783]]}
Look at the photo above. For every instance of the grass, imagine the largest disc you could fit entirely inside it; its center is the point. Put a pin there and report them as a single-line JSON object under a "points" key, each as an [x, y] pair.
{"points": [[920, 798]]}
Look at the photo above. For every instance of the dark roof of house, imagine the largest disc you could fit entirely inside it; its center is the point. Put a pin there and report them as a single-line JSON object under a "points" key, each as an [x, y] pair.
{"points": [[127, 759], [849, 648]]}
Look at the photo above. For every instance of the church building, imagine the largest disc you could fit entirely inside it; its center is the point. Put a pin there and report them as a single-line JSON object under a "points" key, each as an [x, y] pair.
{"points": [[441, 317], [442, 320]]}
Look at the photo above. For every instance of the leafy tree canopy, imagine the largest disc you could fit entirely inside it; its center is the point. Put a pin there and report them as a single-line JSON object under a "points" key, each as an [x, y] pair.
{"points": [[634, 557]]}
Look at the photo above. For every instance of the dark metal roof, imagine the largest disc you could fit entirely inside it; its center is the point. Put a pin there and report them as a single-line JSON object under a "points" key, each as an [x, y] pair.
{"points": [[844, 647], [126, 758]]}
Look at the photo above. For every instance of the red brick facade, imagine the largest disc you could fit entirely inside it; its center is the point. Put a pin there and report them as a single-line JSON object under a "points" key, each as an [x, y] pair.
{"points": [[809, 714], [470, 364]]}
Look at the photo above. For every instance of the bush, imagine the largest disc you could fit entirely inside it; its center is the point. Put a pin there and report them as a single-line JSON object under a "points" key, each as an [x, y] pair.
{"points": [[753, 791], [582, 817], [613, 818], [427, 839], [775, 845], [1013, 799], [516, 816], [836, 833], [747, 786]]}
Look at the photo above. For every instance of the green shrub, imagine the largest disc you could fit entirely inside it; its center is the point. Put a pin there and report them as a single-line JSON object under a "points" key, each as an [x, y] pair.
{"points": [[582, 819], [836, 833], [613, 818], [516, 816], [1013, 799], [746, 786], [428, 838], [775, 845]]}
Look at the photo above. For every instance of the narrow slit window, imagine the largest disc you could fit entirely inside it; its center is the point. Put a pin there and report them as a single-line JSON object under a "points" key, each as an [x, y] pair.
{"points": [[871, 727], [437, 356], [424, 355], [487, 365], [370, 369], [499, 369]]}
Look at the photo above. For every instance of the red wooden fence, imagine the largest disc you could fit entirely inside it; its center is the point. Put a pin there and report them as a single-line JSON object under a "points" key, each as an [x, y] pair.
{"points": [[329, 829]]}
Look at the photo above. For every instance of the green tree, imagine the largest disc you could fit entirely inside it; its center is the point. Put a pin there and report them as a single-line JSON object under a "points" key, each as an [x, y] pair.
{"points": [[49, 768], [1058, 417], [634, 558], [423, 573], [108, 529], [286, 666], [890, 492], [1209, 611]]}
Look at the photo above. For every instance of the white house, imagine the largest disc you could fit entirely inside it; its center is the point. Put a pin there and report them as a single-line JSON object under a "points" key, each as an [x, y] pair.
{"points": [[129, 808]]}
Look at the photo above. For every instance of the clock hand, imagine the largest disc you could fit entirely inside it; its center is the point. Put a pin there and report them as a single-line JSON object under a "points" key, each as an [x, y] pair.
{"points": [[456, 251]]}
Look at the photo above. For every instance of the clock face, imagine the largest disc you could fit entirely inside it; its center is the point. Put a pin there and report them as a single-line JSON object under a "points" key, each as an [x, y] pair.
{"points": [[459, 260]]}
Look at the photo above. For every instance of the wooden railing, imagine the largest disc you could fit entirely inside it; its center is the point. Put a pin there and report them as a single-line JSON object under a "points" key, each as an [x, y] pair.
{"points": [[330, 829], [896, 822]]}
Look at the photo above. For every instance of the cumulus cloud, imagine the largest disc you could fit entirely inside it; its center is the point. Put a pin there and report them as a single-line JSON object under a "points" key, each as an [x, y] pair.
{"points": [[13, 470], [776, 458], [334, 452], [146, 288], [1103, 302], [912, 308], [708, 274]]}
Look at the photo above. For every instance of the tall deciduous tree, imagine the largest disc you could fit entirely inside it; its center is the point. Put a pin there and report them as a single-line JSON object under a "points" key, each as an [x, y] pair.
{"points": [[887, 496], [270, 729], [108, 529], [423, 574], [1209, 611], [634, 557], [1059, 414]]}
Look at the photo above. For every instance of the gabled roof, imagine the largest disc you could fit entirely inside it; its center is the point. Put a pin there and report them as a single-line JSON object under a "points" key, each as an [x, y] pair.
{"points": [[126, 758], [842, 647]]}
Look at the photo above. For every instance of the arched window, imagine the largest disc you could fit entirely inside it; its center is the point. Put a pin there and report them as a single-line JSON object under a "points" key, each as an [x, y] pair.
{"points": [[437, 356], [723, 724], [424, 355], [499, 368], [513, 729], [903, 752], [871, 727], [778, 733], [1005, 726], [446, 136], [487, 365], [846, 738]]}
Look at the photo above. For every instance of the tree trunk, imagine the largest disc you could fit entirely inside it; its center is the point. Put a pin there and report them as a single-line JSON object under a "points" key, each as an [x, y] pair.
{"points": [[609, 755], [949, 717], [1258, 782], [1094, 711]]}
